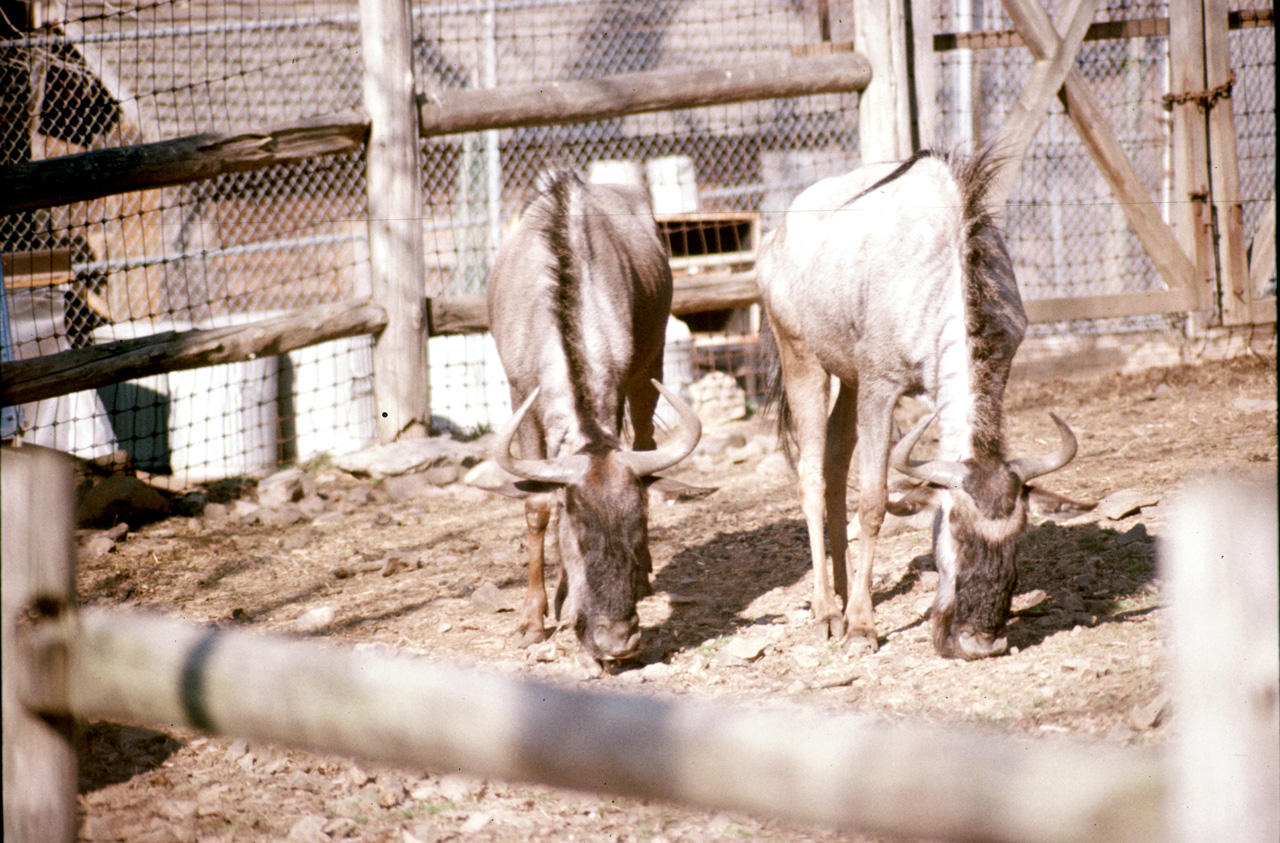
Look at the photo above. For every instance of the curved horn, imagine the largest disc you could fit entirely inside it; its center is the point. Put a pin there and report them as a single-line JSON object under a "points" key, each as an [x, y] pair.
{"points": [[644, 463], [559, 471], [1029, 468], [939, 472]]}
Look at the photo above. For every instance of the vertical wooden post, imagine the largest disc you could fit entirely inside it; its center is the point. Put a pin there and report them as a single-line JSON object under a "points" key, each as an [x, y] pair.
{"points": [[924, 79], [36, 531], [884, 108], [1191, 212], [396, 258], [1220, 563], [1233, 267]]}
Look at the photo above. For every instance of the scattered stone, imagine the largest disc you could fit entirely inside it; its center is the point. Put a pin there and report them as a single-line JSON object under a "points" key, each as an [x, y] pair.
{"points": [[806, 656], [309, 829], [717, 399], [774, 465], [246, 512], [177, 810], [282, 516], [216, 512], [741, 650], [475, 822], [487, 598], [120, 498], [1125, 502], [239, 749], [97, 545], [1150, 714], [1029, 600], [288, 486], [442, 475], [315, 619], [1255, 405], [391, 792], [340, 828], [406, 487], [457, 788], [397, 561], [407, 456], [656, 672], [838, 678]]}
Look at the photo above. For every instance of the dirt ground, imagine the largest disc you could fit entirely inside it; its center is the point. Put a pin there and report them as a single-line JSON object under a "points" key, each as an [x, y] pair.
{"points": [[731, 577]]}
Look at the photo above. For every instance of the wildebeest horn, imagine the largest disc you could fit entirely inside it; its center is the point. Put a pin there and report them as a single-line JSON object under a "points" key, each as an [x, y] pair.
{"points": [[571, 468], [1028, 468], [939, 472], [644, 463], [560, 471]]}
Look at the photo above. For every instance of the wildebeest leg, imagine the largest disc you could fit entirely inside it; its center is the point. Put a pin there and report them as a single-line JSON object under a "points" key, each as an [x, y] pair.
{"points": [[808, 389], [537, 514], [642, 398], [842, 435], [875, 419]]}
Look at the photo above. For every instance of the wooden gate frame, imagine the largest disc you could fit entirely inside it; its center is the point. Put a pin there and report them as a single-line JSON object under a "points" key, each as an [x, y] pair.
{"points": [[1202, 256]]}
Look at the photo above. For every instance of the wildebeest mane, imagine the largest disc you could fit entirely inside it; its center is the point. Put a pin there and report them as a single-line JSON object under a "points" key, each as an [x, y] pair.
{"points": [[568, 304]]}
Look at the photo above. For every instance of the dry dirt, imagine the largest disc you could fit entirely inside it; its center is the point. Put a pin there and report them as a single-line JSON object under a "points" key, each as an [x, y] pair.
{"points": [[1087, 656]]}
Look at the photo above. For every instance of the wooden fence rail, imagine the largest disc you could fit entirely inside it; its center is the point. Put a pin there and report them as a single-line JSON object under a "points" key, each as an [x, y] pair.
{"points": [[1219, 781], [168, 163]]}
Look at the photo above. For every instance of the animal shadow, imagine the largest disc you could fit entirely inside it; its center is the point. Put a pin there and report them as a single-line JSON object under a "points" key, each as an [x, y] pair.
{"points": [[1089, 574]]}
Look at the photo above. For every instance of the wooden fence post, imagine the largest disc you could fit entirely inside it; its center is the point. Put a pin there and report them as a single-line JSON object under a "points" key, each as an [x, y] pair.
{"points": [[1221, 566], [36, 531], [394, 183], [884, 107]]}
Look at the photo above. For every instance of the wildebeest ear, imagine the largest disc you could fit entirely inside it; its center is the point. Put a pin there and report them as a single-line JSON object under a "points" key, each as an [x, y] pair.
{"points": [[674, 490], [521, 489], [1044, 503], [914, 501]]}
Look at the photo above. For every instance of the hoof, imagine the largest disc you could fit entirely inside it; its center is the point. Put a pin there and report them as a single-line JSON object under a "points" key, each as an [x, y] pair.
{"points": [[527, 636], [830, 627], [861, 641]]}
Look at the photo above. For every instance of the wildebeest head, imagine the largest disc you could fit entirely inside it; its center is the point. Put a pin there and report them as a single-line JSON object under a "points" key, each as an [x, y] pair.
{"points": [[604, 529], [982, 513]]}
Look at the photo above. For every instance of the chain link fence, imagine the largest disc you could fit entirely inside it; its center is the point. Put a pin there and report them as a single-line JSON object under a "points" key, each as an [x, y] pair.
{"points": [[239, 248]]}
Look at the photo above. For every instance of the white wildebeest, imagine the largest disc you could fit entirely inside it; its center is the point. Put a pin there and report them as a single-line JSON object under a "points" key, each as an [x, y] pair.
{"points": [[578, 305], [894, 280]]}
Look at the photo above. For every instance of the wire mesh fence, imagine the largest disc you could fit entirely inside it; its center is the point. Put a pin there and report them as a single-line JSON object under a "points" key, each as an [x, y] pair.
{"points": [[241, 247]]}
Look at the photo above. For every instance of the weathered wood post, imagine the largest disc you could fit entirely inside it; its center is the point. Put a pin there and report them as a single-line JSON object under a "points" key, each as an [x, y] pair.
{"points": [[895, 111], [1221, 565], [397, 263], [36, 532]]}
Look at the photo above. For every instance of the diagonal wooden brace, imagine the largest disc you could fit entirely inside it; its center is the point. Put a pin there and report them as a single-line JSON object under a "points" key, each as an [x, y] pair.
{"points": [[1028, 112], [1038, 33]]}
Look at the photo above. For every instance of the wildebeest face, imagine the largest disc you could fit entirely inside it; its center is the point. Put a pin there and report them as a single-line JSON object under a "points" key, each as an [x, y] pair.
{"points": [[976, 549], [604, 545]]}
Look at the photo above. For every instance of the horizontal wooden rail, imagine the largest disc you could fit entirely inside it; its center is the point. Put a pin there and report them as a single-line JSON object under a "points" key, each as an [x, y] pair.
{"points": [[171, 351], [544, 103], [847, 771], [105, 172], [100, 365]]}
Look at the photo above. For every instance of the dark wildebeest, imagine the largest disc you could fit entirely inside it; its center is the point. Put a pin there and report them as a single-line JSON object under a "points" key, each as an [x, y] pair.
{"points": [[578, 307], [894, 280]]}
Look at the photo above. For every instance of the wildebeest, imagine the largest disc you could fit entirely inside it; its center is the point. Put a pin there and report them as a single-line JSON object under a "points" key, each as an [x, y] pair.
{"points": [[894, 280], [578, 305]]}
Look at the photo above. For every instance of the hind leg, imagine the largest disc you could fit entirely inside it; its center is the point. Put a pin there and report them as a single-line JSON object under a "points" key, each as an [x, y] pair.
{"points": [[807, 393], [642, 399], [875, 419]]}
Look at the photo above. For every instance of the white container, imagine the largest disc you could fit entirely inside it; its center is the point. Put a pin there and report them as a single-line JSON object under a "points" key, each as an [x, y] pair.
{"points": [[468, 384], [201, 424], [75, 423], [678, 371], [330, 395], [615, 172], [673, 185]]}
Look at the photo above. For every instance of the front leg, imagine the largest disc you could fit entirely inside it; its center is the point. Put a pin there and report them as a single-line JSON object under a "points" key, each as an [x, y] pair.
{"points": [[537, 514]]}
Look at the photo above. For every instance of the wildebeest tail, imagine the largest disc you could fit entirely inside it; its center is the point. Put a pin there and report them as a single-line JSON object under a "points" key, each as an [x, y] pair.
{"points": [[775, 392]]}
